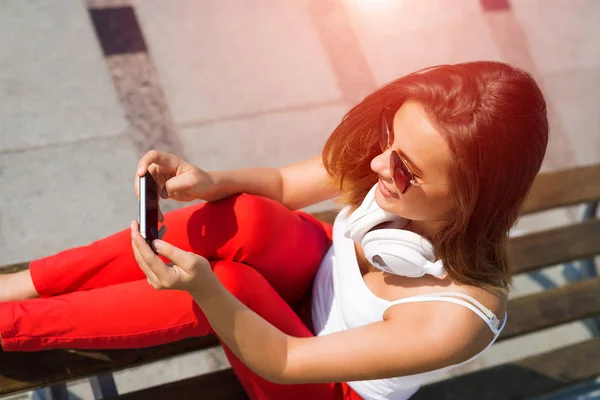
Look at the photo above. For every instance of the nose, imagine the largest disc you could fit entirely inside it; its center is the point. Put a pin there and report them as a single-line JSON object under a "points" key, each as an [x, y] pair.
{"points": [[381, 165]]}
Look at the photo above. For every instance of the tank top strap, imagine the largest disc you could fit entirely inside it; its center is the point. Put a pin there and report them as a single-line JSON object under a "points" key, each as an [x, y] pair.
{"points": [[483, 312]]}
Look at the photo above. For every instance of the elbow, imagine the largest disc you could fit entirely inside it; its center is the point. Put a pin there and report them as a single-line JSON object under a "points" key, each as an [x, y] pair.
{"points": [[273, 366], [278, 379], [272, 376], [284, 379], [271, 371], [281, 375]]}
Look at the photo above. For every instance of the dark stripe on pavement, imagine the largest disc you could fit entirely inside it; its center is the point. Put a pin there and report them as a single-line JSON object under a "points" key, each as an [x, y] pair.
{"points": [[118, 30], [495, 5]]}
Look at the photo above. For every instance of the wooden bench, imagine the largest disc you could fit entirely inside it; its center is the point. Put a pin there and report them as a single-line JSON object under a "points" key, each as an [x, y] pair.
{"points": [[526, 378]]}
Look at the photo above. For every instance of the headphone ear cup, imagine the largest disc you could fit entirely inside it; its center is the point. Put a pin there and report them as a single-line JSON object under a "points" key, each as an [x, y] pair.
{"points": [[385, 249], [398, 252]]}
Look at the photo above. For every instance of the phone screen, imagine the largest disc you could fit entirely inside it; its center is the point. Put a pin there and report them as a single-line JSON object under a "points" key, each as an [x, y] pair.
{"points": [[148, 208]]}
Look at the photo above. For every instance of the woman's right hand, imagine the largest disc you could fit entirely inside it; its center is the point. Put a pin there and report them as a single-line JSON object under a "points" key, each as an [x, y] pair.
{"points": [[175, 179]]}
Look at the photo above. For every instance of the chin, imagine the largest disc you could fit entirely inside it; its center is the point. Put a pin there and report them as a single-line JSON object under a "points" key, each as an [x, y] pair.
{"points": [[388, 204], [381, 199]]}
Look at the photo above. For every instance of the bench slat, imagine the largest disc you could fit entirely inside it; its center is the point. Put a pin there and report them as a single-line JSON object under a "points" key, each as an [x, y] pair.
{"points": [[549, 190], [563, 188], [552, 307], [526, 253], [221, 385], [526, 378], [554, 246], [29, 370], [527, 314]]}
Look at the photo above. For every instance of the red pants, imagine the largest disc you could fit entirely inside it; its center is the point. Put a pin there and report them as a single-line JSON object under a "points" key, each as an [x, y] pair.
{"points": [[97, 297]]}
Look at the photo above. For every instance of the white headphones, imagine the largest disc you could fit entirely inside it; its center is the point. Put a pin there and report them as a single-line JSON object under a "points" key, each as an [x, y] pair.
{"points": [[396, 251]]}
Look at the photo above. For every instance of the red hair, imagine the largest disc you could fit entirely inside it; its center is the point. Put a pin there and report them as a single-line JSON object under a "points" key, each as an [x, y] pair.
{"points": [[493, 117]]}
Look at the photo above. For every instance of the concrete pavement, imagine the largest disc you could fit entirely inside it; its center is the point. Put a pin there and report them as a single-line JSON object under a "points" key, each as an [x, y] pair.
{"points": [[87, 88]]}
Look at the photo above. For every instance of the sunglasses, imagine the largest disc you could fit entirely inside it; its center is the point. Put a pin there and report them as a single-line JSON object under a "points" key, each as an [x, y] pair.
{"points": [[402, 176]]}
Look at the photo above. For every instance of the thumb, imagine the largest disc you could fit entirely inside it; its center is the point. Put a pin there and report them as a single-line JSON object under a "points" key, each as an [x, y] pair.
{"points": [[180, 183], [183, 259]]}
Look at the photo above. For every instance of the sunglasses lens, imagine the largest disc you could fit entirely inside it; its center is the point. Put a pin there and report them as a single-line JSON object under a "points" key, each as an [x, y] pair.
{"points": [[401, 174], [383, 133]]}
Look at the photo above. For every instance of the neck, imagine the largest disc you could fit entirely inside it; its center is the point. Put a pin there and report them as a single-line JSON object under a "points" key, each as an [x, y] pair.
{"points": [[427, 229]]}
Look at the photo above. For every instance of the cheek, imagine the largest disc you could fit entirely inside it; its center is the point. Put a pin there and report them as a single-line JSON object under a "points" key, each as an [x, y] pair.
{"points": [[426, 206]]}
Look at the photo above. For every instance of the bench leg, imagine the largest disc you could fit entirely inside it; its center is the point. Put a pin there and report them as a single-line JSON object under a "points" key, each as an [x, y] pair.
{"points": [[103, 386], [56, 392], [589, 266], [576, 271], [585, 269]]}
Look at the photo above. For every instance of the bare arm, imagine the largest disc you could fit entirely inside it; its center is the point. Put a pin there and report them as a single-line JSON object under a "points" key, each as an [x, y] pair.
{"points": [[411, 339], [296, 186]]}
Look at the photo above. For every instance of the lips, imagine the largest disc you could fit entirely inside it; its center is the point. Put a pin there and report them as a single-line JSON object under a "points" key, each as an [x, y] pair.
{"points": [[388, 191]]}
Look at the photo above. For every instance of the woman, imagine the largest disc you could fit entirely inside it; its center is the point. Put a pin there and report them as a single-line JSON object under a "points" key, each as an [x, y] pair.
{"points": [[437, 162]]}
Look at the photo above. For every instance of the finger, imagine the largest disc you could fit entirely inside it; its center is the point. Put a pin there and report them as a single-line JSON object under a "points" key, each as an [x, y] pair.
{"points": [[138, 258], [152, 168], [159, 175], [139, 243], [150, 277], [161, 179], [183, 259], [156, 157], [162, 272], [152, 283], [180, 183], [136, 186]]}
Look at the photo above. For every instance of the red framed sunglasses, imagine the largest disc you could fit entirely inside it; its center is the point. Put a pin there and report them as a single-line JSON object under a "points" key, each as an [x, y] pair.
{"points": [[402, 176]]}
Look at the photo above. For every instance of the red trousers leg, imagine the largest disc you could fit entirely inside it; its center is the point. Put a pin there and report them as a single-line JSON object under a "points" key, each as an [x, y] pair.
{"points": [[133, 314], [284, 246], [261, 298], [96, 297]]}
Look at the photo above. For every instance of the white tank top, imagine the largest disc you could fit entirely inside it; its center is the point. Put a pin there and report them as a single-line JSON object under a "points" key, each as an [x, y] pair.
{"points": [[341, 300]]}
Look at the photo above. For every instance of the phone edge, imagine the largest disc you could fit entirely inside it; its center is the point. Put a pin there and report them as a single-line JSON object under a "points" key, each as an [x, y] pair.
{"points": [[142, 206]]}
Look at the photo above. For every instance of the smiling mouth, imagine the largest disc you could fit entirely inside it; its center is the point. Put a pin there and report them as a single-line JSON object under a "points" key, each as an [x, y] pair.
{"points": [[387, 190]]}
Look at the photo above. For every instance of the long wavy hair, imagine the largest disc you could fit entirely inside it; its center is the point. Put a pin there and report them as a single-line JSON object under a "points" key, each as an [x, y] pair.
{"points": [[493, 117]]}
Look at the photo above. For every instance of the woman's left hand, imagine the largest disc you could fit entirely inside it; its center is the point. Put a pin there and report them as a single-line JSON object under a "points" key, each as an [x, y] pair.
{"points": [[189, 272]]}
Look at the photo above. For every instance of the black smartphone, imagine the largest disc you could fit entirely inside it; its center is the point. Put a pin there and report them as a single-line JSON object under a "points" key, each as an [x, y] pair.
{"points": [[148, 208]]}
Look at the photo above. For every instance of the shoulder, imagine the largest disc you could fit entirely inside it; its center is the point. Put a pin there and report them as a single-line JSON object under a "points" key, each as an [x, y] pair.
{"points": [[455, 327]]}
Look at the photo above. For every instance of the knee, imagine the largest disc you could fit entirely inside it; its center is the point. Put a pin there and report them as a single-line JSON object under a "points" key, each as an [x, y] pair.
{"points": [[253, 211], [243, 220], [239, 279], [231, 216], [255, 215]]}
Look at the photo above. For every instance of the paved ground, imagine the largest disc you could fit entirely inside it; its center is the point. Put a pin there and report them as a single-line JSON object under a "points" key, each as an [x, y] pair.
{"points": [[87, 87]]}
